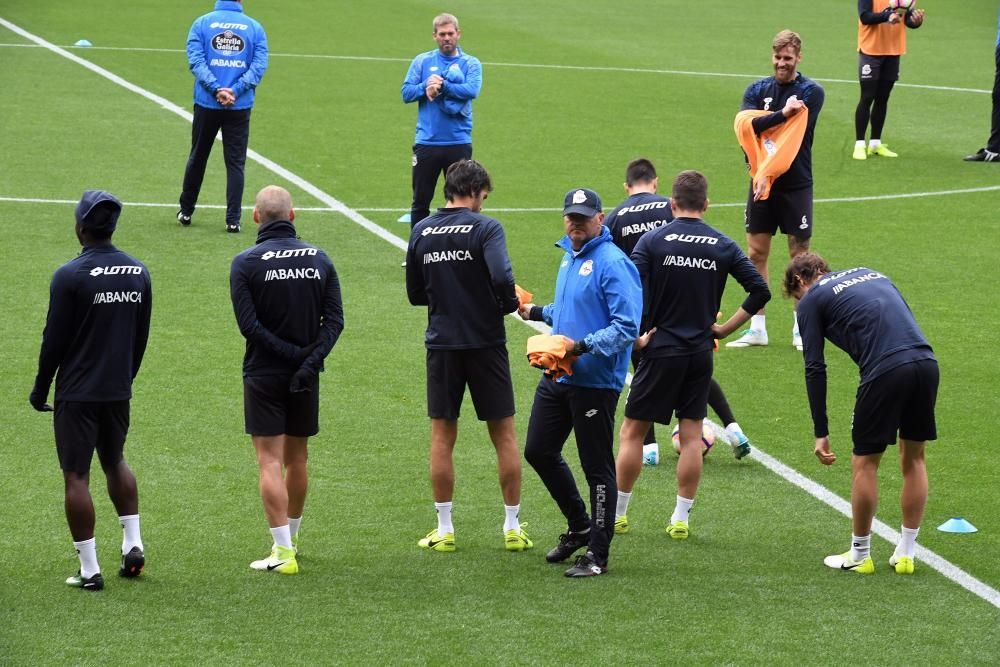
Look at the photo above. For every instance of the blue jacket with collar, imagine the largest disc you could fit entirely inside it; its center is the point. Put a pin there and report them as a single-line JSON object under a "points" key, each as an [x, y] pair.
{"points": [[226, 49], [447, 120], [598, 300]]}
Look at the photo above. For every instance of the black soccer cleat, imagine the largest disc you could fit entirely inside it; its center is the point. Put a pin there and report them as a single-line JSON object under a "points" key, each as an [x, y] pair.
{"points": [[93, 583], [183, 218], [569, 543], [586, 566], [132, 563], [233, 229], [983, 155]]}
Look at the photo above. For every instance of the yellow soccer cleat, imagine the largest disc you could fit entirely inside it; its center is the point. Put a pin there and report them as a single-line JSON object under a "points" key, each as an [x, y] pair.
{"points": [[282, 560], [517, 540], [843, 562], [860, 153], [902, 564], [621, 525], [883, 151], [678, 530], [435, 542]]}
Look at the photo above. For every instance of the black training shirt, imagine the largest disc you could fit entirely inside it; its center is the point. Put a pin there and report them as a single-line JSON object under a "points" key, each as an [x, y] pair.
{"points": [[684, 266], [635, 216], [861, 312], [457, 265], [286, 297], [97, 327]]}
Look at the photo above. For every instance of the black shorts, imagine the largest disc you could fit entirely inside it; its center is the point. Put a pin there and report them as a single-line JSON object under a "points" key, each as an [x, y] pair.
{"points": [[487, 373], [666, 386], [270, 409], [899, 401], [81, 428], [791, 211], [877, 68]]}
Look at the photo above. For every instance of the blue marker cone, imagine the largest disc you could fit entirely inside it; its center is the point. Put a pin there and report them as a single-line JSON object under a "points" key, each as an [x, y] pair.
{"points": [[83, 42], [957, 525], [404, 218]]}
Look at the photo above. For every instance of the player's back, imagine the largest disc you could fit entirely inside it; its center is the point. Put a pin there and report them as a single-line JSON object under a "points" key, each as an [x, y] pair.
{"points": [[635, 216]]}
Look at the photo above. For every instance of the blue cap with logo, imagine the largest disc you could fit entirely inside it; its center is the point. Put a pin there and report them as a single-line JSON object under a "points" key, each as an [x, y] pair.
{"points": [[98, 210], [581, 201]]}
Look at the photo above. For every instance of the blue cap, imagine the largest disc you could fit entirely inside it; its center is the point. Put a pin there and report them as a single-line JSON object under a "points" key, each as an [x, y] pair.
{"points": [[98, 210], [581, 201]]}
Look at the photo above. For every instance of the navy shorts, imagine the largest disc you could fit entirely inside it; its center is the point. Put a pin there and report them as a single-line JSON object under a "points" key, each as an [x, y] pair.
{"points": [[81, 428], [665, 386], [900, 401], [269, 409], [486, 371], [791, 211], [877, 68]]}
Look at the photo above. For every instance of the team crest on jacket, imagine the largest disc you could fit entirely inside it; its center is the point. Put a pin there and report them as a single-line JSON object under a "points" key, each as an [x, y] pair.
{"points": [[587, 268]]}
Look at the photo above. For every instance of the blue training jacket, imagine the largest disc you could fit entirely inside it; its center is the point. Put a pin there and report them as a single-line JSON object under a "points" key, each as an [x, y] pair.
{"points": [[226, 49], [447, 121], [599, 301]]}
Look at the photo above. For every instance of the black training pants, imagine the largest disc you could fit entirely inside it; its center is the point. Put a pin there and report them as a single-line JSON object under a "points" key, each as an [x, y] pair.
{"points": [[235, 126], [994, 142], [429, 162], [590, 413]]}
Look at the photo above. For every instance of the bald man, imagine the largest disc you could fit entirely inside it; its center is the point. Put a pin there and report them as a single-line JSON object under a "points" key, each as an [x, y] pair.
{"points": [[286, 296]]}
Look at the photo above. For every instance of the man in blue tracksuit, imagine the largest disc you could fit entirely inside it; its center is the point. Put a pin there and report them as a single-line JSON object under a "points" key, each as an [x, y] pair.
{"points": [[598, 305], [227, 53], [443, 82], [95, 337]]}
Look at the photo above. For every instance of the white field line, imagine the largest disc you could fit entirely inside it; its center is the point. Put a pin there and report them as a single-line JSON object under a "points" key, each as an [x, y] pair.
{"points": [[578, 68], [830, 200], [932, 560]]}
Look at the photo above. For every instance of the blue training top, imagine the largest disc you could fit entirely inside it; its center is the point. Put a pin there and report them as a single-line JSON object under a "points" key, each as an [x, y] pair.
{"points": [[447, 120], [226, 49]]}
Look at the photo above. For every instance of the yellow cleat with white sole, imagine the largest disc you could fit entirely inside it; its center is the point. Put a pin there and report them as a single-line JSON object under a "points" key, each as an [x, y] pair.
{"points": [[282, 560], [902, 564], [678, 530], [860, 153], [435, 542], [621, 525], [843, 562], [882, 151], [517, 540]]}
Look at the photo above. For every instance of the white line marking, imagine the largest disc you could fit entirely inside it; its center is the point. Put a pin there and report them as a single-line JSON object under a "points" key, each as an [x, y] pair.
{"points": [[578, 68], [934, 561], [830, 200]]}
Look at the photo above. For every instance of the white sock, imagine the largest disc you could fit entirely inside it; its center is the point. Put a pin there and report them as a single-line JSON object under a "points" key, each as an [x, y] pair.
{"points": [[757, 323], [860, 143], [795, 321], [907, 541], [130, 532], [87, 551], [510, 521], [282, 536], [734, 428], [682, 510], [444, 518], [874, 143], [293, 525], [622, 508], [860, 547]]}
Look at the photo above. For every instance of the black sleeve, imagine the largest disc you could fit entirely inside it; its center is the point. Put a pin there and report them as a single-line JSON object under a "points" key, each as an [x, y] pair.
{"points": [[498, 264], [333, 323], [811, 330], [765, 123], [746, 274], [142, 328], [868, 17], [250, 326], [416, 291], [59, 330]]}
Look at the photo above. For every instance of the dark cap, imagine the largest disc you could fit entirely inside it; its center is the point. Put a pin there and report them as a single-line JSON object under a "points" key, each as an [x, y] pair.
{"points": [[581, 201], [98, 210]]}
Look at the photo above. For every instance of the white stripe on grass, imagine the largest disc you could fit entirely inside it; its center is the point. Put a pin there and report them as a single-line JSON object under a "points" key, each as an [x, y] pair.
{"points": [[577, 68], [932, 560], [829, 200]]}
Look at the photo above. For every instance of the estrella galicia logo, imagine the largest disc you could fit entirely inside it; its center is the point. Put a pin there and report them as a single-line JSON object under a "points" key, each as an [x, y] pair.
{"points": [[228, 43]]}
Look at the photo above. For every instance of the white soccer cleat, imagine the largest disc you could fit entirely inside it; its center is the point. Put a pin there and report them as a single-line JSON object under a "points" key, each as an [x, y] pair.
{"points": [[749, 338]]}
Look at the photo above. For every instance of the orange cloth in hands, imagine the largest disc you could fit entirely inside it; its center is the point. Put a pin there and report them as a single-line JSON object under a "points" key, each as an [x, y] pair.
{"points": [[552, 354], [772, 153], [523, 295]]}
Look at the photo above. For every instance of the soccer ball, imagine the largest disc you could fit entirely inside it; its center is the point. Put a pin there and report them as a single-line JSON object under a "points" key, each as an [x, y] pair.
{"points": [[902, 6], [707, 438]]}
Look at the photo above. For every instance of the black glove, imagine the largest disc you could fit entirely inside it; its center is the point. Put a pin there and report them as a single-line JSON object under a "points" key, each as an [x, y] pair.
{"points": [[304, 352], [302, 381], [37, 399]]}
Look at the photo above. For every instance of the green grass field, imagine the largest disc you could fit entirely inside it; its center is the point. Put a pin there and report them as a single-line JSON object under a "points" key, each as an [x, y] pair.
{"points": [[572, 92]]}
